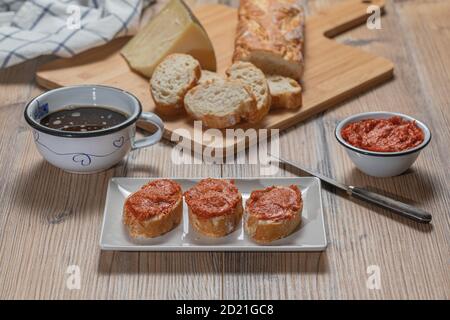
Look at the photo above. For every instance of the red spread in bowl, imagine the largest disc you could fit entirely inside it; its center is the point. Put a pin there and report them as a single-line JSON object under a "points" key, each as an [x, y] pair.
{"points": [[383, 135]]}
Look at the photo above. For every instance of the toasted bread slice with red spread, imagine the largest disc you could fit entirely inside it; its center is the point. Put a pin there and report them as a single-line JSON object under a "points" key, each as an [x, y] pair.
{"points": [[154, 210], [215, 207], [273, 213]]}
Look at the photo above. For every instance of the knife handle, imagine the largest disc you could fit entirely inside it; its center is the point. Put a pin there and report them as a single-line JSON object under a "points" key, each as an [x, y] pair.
{"points": [[401, 208]]}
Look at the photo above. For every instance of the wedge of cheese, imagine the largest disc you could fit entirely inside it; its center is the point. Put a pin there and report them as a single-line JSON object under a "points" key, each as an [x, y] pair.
{"points": [[174, 30]]}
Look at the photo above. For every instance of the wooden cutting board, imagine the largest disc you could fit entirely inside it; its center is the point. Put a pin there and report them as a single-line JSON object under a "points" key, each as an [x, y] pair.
{"points": [[333, 71]]}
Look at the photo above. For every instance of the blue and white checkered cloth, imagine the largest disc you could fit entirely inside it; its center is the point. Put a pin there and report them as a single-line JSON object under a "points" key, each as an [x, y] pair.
{"points": [[30, 28]]}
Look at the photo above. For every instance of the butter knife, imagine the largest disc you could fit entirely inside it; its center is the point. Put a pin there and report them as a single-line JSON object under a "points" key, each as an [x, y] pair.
{"points": [[396, 206]]}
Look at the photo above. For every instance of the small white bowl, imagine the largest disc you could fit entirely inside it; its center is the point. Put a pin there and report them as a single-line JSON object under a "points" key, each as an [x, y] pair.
{"points": [[382, 164], [94, 151]]}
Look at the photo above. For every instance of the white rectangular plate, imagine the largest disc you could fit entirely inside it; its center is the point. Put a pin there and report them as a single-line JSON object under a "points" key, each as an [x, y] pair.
{"points": [[310, 236]]}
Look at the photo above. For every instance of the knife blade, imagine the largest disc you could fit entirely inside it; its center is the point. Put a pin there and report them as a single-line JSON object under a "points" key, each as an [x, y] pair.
{"points": [[315, 174], [398, 207]]}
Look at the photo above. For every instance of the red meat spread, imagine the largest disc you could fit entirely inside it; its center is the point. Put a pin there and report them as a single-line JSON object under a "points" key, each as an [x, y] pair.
{"points": [[212, 198], [383, 135], [275, 203], [156, 197]]}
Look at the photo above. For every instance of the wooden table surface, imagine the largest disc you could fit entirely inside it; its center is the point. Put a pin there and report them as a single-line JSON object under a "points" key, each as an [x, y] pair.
{"points": [[50, 219]]}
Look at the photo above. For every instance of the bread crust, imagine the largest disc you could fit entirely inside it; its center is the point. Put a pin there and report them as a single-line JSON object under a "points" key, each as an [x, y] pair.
{"points": [[155, 225], [267, 230], [270, 34], [287, 99], [171, 109], [245, 110], [219, 122], [217, 227]]}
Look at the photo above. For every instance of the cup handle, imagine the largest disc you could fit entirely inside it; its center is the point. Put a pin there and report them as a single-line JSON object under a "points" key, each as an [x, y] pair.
{"points": [[154, 138]]}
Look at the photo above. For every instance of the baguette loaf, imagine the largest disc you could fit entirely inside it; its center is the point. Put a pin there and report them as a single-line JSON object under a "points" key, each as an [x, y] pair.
{"points": [[270, 35], [220, 104], [172, 78], [256, 82], [286, 92]]}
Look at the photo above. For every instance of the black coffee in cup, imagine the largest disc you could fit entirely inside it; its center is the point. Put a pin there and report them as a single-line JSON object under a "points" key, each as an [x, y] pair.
{"points": [[83, 118]]}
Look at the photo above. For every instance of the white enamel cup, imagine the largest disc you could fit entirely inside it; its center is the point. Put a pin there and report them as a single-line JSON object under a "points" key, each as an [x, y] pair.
{"points": [[94, 151]]}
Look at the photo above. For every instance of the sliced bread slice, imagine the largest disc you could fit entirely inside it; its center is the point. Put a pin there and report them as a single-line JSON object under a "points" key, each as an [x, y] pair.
{"points": [[220, 104], [172, 78], [208, 76], [286, 92], [256, 81]]}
